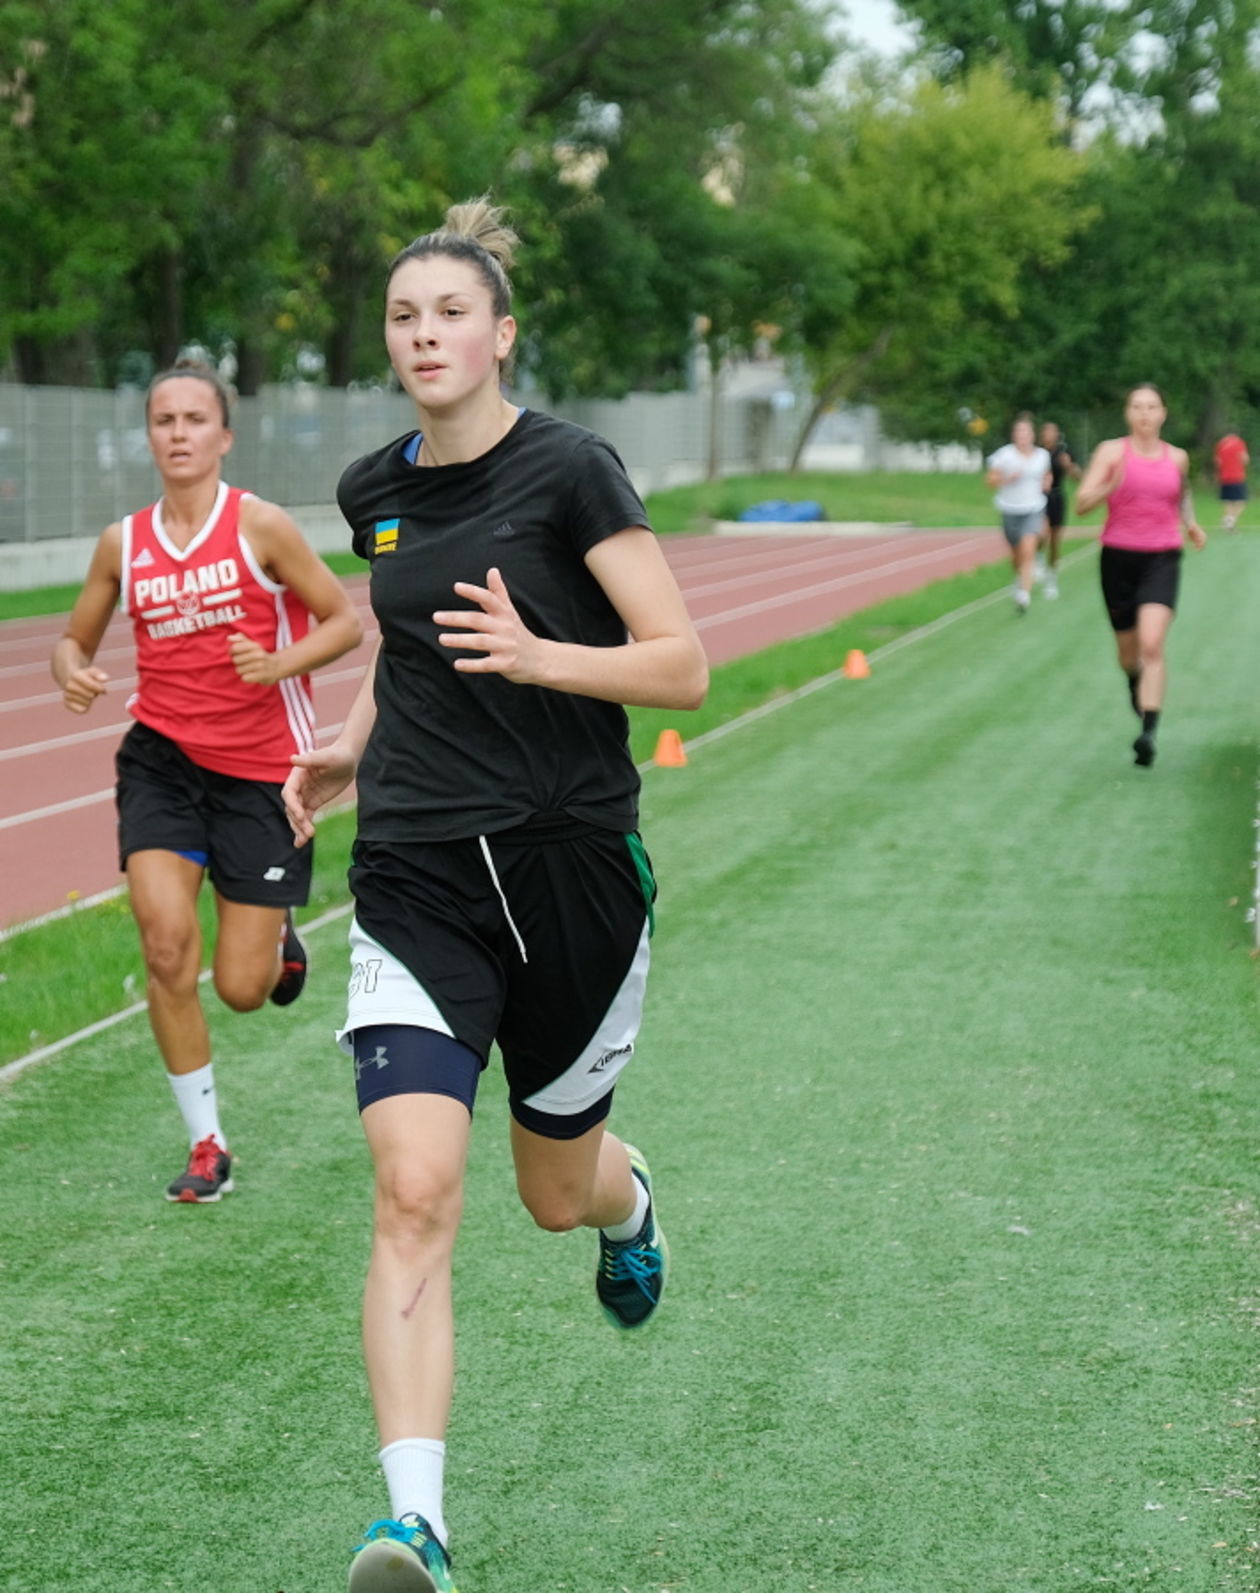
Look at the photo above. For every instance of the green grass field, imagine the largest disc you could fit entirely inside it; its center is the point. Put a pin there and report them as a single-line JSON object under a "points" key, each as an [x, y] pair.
{"points": [[948, 1085]]}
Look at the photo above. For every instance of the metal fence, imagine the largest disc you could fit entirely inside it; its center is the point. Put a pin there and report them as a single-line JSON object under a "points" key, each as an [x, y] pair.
{"points": [[73, 460]]}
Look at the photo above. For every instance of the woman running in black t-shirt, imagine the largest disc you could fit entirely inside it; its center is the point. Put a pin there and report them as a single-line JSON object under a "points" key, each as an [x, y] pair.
{"points": [[502, 893]]}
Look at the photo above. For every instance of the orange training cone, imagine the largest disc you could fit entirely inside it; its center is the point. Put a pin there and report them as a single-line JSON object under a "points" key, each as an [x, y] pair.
{"points": [[669, 752], [856, 666]]}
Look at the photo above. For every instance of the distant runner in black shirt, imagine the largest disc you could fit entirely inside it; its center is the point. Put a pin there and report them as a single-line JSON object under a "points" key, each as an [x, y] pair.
{"points": [[1061, 465], [502, 893]]}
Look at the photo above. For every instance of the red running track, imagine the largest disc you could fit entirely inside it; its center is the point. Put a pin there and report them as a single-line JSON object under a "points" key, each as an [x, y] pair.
{"points": [[56, 769]]}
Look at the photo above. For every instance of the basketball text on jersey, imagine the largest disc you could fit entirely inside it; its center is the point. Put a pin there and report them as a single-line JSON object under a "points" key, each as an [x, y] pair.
{"points": [[200, 597]]}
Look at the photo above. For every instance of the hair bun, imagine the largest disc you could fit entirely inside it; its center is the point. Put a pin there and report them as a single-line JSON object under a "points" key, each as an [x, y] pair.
{"points": [[486, 225]]}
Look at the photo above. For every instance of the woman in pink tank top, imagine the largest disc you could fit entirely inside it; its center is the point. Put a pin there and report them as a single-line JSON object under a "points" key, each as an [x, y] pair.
{"points": [[1145, 483]]}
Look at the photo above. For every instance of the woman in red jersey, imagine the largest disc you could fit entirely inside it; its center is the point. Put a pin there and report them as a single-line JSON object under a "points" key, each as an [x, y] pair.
{"points": [[1145, 483], [231, 609]]}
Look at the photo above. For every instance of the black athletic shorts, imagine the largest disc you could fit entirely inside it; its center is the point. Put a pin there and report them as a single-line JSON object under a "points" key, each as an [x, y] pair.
{"points": [[1130, 579], [1056, 510], [166, 802], [535, 939]]}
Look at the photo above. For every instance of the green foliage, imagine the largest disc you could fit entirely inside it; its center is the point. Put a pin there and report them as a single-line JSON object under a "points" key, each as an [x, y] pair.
{"points": [[249, 195], [1159, 283], [946, 193]]}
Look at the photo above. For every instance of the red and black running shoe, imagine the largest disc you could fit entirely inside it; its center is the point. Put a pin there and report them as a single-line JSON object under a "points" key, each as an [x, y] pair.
{"points": [[207, 1177], [292, 965]]}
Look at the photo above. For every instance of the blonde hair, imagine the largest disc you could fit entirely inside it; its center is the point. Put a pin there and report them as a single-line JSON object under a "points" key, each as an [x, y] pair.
{"points": [[476, 231]]}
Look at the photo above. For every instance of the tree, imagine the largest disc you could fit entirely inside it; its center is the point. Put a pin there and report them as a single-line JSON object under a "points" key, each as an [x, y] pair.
{"points": [[943, 195], [100, 148]]}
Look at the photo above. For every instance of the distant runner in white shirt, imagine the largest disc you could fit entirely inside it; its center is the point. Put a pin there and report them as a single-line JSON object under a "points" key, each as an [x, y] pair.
{"points": [[1020, 471]]}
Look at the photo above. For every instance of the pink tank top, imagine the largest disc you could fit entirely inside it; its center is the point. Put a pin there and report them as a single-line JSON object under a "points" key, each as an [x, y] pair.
{"points": [[1144, 512]]}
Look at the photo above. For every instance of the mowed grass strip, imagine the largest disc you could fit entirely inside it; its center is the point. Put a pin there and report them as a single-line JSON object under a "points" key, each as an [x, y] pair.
{"points": [[41, 1005], [947, 1085]]}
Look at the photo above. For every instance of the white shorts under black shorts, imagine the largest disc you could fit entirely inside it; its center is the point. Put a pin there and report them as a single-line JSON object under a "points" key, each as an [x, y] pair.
{"points": [[534, 939]]}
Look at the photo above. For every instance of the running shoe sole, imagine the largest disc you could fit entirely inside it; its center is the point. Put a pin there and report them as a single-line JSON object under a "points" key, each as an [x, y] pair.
{"points": [[186, 1197], [387, 1567]]}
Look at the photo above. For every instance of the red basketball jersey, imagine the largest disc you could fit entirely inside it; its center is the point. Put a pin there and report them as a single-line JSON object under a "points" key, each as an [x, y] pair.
{"points": [[184, 603]]}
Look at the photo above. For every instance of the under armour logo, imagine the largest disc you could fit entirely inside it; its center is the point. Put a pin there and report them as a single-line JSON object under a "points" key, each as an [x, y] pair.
{"points": [[361, 1062]]}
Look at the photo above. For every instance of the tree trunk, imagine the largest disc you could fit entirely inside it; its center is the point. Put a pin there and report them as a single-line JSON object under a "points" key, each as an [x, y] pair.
{"points": [[251, 366], [168, 306], [67, 361], [345, 297], [713, 464], [838, 385]]}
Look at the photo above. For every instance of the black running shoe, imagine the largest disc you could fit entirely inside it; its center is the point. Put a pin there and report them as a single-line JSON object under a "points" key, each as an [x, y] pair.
{"points": [[207, 1177], [631, 1274], [292, 965], [1144, 750]]}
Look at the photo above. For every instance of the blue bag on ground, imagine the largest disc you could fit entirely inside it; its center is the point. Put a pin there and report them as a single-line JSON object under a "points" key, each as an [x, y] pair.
{"points": [[781, 509]]}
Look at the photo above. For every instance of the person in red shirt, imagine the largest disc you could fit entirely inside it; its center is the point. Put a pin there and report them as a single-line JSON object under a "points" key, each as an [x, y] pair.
{"points": [[1232, 460], [231, 611]]}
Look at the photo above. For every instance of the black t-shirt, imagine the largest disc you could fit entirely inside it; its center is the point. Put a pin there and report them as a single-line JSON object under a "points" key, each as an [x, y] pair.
{"points": [[1060, 459], [453, 755]]}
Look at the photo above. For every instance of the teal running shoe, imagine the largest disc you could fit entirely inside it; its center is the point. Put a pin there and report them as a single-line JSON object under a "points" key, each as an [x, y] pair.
{"points": [[631, 1274], [401, 1557]]}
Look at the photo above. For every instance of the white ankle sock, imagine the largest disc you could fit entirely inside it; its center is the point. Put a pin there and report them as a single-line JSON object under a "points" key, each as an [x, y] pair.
{"points": [[619, 1232], [413, 1473], [196, 1099]]}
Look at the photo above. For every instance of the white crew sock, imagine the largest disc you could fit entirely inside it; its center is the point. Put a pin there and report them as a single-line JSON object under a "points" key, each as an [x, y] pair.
{"points": [[619, 1232], [198, 1103], [413, 1473]]}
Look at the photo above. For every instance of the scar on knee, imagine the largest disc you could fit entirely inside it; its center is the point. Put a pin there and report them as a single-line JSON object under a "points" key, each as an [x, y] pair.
{"points": [[415, 1300]]}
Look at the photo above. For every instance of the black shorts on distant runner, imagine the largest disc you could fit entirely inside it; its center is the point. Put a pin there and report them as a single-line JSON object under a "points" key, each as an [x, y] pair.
{"points": [[168, 803], [1056, 510], [536, 938], [1130, 579]]}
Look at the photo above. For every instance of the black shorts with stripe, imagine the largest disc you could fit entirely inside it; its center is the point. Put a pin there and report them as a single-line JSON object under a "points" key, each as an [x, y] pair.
{"points": [[536, 939], [1131, 579], [166, 802], [531, 939]]}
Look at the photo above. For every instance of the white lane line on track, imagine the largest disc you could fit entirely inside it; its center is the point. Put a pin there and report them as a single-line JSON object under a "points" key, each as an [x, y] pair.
{"points": [[860, 578], [33, 815], [39, 665], [331, 677], [921, 633], [780, 569], [755, 555]]}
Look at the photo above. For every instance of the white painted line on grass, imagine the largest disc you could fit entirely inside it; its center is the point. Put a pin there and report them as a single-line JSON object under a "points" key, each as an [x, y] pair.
{"points": [[920, 633], [12, 1069]]}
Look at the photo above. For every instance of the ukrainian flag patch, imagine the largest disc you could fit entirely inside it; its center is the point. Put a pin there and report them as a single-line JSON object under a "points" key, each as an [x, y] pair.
{"points": [[385, 537]]}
